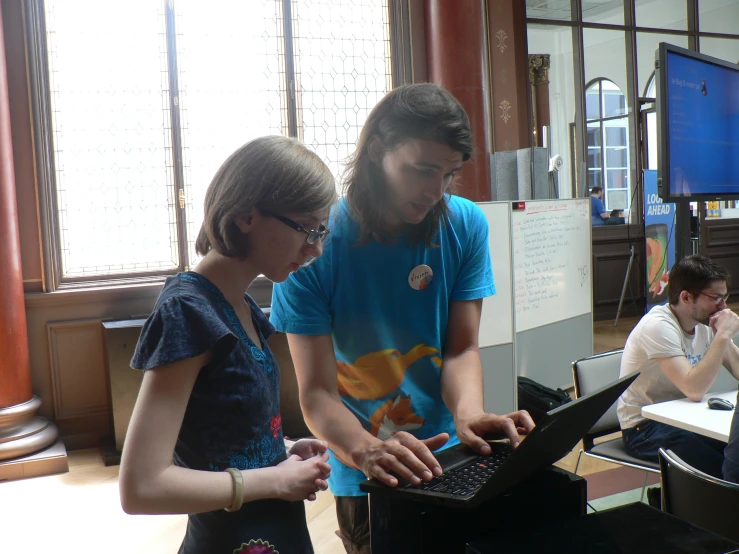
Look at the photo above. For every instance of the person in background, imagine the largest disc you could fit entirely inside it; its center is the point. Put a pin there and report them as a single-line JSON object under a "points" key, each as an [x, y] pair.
{"points": [[598, 212], [205, 437], [679, 349], [383, 329]]}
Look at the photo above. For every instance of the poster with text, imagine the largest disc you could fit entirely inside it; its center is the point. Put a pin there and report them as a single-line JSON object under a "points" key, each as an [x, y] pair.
{"points": [[659, 223]]}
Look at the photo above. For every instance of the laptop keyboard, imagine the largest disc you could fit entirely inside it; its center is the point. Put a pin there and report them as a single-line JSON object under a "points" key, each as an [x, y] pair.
{"points": [[466, 479]]}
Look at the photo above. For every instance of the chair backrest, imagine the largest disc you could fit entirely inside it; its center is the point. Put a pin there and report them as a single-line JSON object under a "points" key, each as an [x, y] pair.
{"points": [[592, 373], [698, 498]]}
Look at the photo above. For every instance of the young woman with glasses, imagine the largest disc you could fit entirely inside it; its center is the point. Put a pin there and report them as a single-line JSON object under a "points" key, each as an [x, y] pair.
{"points": [[205, 437]]}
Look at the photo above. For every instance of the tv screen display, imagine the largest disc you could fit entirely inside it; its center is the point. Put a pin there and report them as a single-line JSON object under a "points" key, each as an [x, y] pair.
{"points": [[698, 114]]}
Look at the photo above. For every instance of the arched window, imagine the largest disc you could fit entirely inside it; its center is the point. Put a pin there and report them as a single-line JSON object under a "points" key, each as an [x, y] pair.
{"points": [[651, 90], [608, 142]]}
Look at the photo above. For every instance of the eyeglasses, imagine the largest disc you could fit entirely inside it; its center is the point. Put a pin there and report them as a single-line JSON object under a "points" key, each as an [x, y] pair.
{"points": [[716, 298], [313, 234]]}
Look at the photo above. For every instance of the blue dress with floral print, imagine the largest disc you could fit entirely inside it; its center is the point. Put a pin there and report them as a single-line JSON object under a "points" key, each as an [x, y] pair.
{"points": [[232, 418]]}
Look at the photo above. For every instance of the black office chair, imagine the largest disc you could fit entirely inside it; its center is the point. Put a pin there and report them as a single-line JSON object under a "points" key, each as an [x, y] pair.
{"points": [[698, 498], [590, 374]]}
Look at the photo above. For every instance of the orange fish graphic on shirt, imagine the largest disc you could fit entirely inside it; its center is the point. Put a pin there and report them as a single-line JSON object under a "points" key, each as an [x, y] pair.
{"points": [[393, 416], [377, 374]]}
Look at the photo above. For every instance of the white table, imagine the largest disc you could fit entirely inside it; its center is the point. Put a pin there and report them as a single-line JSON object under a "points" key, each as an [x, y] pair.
{"points": [[695, 416]]}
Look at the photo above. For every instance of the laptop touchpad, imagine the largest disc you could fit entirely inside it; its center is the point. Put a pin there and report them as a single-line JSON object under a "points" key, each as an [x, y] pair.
{"points": [[454, 455]]}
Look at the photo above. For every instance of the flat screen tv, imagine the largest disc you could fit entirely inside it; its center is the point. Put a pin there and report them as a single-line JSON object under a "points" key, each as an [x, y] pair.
{"points": [[698, 126]]}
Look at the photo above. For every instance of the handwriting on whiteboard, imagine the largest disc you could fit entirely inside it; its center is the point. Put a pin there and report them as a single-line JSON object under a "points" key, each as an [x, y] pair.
{"points": [[542, 254]]}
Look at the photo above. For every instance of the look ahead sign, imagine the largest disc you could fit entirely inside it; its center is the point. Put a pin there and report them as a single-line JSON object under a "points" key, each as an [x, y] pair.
{"points": [[659, 223]]}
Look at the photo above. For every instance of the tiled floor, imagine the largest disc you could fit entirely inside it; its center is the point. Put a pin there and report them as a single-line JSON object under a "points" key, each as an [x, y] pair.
{"points": [[79, 512]]}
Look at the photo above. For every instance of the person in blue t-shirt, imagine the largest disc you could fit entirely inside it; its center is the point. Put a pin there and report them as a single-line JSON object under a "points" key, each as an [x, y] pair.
{"points": [[598, 214], [383, 329], [205, 437]]}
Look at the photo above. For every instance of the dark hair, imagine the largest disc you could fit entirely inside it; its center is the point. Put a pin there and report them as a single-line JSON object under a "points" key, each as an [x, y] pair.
{"points": [[596, 189], [421, 111], [276, 174], [693, 274]]}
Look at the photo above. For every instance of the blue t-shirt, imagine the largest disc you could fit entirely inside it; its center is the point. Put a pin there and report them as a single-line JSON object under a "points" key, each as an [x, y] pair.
{"points": [[232, 418], [388, 336], [597, 208]]}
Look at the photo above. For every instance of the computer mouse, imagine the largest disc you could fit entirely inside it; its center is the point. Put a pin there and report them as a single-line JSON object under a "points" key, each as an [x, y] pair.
{"points": [[719, 404]]}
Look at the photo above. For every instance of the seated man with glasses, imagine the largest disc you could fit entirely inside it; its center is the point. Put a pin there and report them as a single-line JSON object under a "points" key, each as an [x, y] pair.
{"points": [[679, 349]]}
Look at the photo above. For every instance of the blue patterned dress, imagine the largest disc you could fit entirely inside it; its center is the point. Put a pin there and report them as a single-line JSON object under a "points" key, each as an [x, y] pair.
{"points": [[233, 414]]}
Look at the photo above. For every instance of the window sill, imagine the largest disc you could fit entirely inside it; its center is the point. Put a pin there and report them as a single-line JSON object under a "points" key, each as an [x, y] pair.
{"points": [[99, 293], [260, 290]]}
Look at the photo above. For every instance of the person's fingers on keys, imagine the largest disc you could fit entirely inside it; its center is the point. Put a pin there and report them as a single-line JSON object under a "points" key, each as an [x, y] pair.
{"points": [[392, 455], [399, 466], [436, 442], [386, 456], [491, 423], [418, 456], [523, 419], [424, 452], [469, 432], [378, 472], [511, 432]]}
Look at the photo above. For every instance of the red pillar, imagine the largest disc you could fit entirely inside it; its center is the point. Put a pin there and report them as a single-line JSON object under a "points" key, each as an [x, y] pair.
{"points": [[15, 370], [22, 433], [457, 58]]}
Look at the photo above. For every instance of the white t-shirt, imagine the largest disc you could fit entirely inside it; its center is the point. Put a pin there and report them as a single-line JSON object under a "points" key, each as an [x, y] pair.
{"points": [[657, 335]]}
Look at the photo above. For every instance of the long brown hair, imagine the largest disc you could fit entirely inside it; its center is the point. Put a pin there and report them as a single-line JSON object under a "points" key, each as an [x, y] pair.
{"points": [[421, 111], [276, 174]]}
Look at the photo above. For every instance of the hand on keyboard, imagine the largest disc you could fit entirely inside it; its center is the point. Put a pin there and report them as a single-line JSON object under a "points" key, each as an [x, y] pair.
{"points": [[404, 456], [471, 430]]}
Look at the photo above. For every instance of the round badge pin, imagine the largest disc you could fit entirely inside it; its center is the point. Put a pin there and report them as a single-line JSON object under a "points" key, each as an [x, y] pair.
{"points": [[420, 277]]}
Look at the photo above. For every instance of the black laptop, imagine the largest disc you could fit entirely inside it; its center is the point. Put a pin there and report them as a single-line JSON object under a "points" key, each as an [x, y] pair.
{"points": [[469, 479]]}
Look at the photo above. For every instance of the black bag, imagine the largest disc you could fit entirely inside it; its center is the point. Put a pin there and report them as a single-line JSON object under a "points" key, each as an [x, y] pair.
{"points": [[538, 399]]}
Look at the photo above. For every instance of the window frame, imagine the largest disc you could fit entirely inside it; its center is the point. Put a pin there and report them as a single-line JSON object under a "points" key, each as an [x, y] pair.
{"points": [[48, 205], [630, 27], [602, 125]]}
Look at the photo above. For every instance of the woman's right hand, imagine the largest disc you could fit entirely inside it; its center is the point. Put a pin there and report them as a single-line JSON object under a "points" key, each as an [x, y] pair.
{"points": [[404, 455], [301, 479]]}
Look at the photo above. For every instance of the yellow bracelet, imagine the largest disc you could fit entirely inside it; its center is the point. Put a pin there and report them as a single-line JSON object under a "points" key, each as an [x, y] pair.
{"points": [[238, 497]]}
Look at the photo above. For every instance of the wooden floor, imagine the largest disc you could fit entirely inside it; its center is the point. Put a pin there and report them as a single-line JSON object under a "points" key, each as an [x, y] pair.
{"points": [[79, 512]]}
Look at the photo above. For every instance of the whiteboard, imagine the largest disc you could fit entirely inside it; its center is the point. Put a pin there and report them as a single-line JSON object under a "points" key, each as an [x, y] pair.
{"points": [[551, 261], [496, 323]]}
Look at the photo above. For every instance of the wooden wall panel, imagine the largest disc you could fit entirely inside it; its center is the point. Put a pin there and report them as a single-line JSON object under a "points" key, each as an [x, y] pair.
{"points": [[78, 369], [509, 75], [68, 360], [719, 241], [611, 252]]}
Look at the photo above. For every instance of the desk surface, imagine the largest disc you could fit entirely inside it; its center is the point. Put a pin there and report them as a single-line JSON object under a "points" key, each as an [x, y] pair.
{"points": [[635, 528], [695, 416]]}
